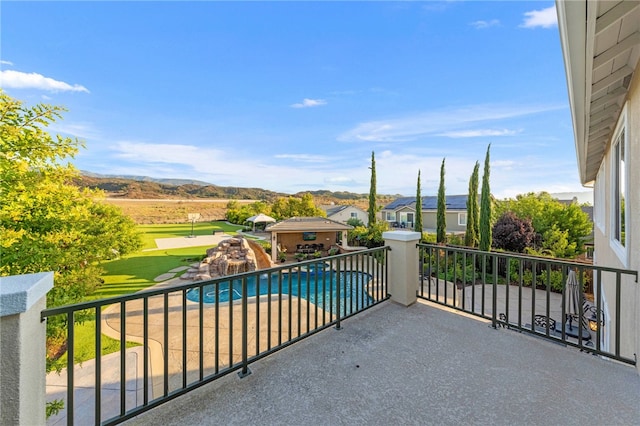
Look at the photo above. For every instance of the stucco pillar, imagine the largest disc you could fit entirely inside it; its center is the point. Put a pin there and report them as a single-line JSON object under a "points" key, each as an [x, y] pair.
{"points": [[23, 348], [274, 247], [403, 265]]}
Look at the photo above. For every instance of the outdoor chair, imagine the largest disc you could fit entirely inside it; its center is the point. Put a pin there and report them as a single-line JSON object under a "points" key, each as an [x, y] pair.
{"points": [[541, 322]]}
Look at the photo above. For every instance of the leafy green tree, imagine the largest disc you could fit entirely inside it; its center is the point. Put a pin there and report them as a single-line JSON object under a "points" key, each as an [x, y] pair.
{"points": [[511, 233], [374, 236], [46, 222], [418, 225], [553, 221], [485, 207], [372, 193], [441, 214], [239, 214], [355, 222], [471, 236], [284, 208]]}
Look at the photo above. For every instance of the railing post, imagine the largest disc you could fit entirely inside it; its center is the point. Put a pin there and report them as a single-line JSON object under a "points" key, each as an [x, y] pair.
{"points": [[244, 372], [403, 265], [23, 348]]}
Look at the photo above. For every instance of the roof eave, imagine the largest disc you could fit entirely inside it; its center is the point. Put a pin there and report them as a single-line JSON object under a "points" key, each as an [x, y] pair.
{"points": [[572, 23]]}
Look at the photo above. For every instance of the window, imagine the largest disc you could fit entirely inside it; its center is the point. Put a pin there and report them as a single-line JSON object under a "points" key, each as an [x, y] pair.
{"points": [[619, 188], [354, 215], [462, 219], [391, 216]]}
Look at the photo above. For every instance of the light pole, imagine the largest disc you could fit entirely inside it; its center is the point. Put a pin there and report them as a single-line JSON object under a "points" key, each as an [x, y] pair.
{"points": [[193, 217]]}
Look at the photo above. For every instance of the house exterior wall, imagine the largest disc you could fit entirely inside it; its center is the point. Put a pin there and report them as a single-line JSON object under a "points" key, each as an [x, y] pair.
{"points": [[605, 248], [344, 215], [430, 218]]}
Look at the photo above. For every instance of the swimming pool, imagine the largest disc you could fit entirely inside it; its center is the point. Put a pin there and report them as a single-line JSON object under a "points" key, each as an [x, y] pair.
{"points": [[312, 282]]}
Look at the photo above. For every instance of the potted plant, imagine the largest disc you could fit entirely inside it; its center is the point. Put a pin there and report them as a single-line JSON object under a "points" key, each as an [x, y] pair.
{"points": [[300, 256], [282, 257], [317, 254], [333, 251]]}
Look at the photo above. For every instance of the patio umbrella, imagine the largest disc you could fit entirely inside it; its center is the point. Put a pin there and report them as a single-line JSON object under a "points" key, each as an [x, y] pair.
{"points": [[572, 297], [260, 218]]}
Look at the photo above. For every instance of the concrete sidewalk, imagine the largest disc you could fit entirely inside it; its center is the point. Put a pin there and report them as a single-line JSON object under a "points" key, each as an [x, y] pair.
{"points": [[196, 241]]}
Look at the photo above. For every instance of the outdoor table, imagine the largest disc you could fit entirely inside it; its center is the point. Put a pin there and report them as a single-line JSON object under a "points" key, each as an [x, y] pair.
{"points": [[574, 331]]}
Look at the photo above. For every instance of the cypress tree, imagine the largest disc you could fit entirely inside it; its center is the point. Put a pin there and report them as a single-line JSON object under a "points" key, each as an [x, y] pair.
{"points": [[441, 218], [485, 207], [372, 193], [418, 224], [471, 235]]}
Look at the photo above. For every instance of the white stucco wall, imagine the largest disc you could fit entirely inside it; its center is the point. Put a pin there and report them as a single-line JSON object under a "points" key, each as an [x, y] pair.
{"points": [[605, 254]]}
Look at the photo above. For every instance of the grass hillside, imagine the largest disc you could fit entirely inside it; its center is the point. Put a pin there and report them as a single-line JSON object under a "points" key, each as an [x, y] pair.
{"points": [[152, 202]]}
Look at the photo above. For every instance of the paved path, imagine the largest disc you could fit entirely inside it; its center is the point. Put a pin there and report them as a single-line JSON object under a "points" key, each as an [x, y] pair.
{"points": [[195, 241]]}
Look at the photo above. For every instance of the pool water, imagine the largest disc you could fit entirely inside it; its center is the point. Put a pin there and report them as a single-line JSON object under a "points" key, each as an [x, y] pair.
{"points": [[311, 283]]}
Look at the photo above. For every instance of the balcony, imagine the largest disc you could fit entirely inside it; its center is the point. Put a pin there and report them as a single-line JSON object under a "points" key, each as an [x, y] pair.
{"points": [[333, 341], [416, 365]]}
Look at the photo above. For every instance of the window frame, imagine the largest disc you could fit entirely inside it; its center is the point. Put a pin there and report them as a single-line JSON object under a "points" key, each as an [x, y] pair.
{"points": [[460, 221], [619, 177]]}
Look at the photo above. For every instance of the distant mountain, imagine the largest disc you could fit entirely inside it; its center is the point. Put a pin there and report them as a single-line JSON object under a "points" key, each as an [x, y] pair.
{"points": [[143, 187], [119, 187], [147, 179]]}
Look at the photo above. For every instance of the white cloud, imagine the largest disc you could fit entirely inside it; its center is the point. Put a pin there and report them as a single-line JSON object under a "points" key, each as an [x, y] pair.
{"points": [[436, 123], [308, 103], [479, 133], [5, 63], [307, 158], [545, 18], [341, 181], [21, 80], [78, 130], [217, 166], [481, 25]]}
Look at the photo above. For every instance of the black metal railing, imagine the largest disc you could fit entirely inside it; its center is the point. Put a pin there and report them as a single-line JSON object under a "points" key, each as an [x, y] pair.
{"points": [[194, 333], [533, 295]]}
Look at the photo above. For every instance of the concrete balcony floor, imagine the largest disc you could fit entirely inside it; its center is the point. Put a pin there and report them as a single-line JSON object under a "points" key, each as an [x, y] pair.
{"points": [[416, 365]]}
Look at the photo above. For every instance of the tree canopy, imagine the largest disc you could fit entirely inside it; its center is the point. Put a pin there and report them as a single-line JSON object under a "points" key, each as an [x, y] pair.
{"points": [[511, 233], [561, 229], [46, 222], [486, 206], [284, 208], [372, 193], [473, 210], [418, 225], [441, 214]]}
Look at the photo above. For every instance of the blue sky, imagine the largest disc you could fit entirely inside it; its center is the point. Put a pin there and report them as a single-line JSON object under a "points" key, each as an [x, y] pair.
{"points": [[292, 96]]}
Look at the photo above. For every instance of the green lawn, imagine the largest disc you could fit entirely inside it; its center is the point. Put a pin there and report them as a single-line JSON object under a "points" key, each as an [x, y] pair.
{"points": [[137, 271]]}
